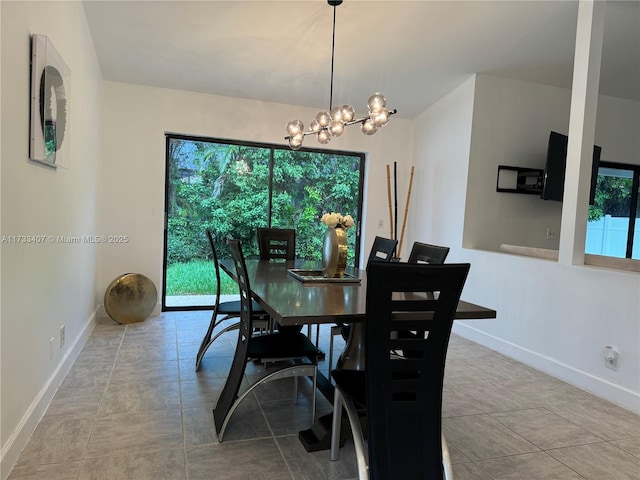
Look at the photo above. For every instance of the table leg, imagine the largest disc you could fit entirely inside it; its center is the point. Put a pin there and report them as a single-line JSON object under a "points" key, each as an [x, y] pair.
{"points": [[318, 437], [352, 357]]}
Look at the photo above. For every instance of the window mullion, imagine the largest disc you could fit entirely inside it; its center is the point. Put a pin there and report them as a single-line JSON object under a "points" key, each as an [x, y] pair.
{"points": [[271, 167], [633, 209]]}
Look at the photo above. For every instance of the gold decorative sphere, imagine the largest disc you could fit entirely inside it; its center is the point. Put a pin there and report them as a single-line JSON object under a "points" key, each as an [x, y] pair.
{"points": [[130, 298]]}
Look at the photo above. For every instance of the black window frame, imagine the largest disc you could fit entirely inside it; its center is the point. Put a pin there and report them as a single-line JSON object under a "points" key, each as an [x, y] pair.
{"points": [[272, 147], [633, 207]]}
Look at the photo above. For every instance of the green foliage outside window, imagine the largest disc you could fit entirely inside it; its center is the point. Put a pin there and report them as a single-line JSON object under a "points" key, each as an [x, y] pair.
{"points": [[612, 197], [226, 188]]}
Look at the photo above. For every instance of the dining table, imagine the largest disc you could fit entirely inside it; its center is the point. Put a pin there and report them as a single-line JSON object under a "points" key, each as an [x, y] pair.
{"points": [[295, 293]]}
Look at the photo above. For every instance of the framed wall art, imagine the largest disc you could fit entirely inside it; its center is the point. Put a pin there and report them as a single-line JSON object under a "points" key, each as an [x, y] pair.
{"points": [[49, 125]]}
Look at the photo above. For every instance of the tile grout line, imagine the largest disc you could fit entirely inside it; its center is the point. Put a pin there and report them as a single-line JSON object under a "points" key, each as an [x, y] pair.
{"points": [[104, 393], [184, 435], [273, 436]]}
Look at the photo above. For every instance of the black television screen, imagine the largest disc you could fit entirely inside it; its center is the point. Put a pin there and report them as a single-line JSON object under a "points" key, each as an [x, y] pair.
{"points": [[554, 170]]}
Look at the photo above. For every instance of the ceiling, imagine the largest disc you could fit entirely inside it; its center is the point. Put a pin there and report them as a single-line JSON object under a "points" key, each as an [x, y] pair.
{"points": [[413, 52]]}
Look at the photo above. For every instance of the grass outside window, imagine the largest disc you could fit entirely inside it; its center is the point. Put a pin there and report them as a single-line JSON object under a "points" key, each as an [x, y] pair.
{"points": [[197, 278]]}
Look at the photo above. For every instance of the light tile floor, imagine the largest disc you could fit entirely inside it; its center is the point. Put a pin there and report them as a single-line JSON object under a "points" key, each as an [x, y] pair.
{"points": [[132, 407]]}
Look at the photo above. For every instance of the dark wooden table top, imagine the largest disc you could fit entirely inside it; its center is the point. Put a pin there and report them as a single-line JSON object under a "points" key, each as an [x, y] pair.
{"points": [[292, 302]]}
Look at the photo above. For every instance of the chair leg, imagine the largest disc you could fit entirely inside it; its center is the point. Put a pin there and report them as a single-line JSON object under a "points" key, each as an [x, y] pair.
{"points": [[330, 364], [309, 326], [446, 460], [267, 325], [313, 395], [208, 340], [336, 424], [293, 371], [309, 331], [362, 455], [335, 330], [314, 386]]}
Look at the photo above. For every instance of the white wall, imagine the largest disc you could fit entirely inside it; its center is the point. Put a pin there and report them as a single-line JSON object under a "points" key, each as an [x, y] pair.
{"points": [[47, 285], [441, 157], [555, 317], [135, 121], [617, 127], [511, 124]]}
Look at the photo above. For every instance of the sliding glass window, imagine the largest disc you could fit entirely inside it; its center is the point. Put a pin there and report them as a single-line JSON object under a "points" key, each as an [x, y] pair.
{"points": [[232, 188], [614, 219]]}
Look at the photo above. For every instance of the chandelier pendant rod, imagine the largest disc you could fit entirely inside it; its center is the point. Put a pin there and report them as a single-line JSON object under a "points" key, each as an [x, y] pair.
{"points": [[333, 51]]}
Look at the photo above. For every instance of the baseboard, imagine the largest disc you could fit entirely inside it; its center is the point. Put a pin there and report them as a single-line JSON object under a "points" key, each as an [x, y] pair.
{"points": [[597, 386], [18, 440]]}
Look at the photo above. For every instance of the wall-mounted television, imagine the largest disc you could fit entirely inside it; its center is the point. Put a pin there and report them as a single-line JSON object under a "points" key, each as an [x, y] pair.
{"points": [[554, 170]]}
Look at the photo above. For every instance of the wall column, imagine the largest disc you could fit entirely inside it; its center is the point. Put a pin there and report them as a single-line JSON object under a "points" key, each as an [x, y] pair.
{"points": [[582, 126]]}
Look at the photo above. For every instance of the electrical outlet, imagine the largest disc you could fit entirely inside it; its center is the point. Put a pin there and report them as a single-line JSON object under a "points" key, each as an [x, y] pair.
{"points": [[62, 336], [552, 233], [611, 357], [380, 223]]}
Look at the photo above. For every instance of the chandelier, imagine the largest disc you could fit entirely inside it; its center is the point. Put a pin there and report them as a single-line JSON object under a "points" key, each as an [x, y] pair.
{"points": [[331, 123]]}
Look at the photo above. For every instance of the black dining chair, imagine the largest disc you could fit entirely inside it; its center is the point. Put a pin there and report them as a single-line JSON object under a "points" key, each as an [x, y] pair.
{"points": [[227, 310], [277, 243], [381, 251], [401, 397], [280, 244], [427, 253], [289, 355]]}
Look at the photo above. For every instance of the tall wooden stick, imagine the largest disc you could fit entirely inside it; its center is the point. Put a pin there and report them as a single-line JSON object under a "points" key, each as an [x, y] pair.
{"points": [[406, 210], [389, 196]]}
